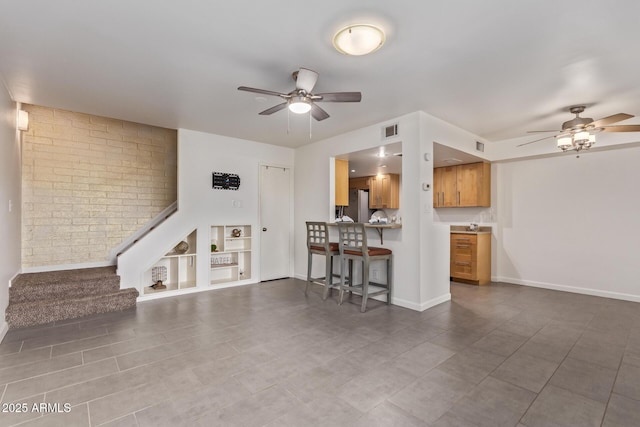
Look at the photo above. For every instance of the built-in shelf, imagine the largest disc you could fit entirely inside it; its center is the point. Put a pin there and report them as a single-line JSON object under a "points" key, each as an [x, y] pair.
{"points": [[180, 267], [231, 260]]}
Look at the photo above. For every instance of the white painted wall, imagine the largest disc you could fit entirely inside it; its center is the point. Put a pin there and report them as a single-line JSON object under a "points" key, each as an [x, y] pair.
{"points": [[200, 206], [571, 223], [10, 190], [421, 247]]}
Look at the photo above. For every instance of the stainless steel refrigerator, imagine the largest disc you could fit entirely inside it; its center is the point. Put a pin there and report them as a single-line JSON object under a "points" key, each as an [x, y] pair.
{"points": [[358, 208]]}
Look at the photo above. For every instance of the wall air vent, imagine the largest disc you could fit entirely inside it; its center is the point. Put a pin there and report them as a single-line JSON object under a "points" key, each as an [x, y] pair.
{"points": [[390, 131], [480, 146]]}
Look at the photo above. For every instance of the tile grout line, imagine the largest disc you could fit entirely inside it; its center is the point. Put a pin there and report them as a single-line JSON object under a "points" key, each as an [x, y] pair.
{"points": [[551, 376], [616, 378], [59, 388]]}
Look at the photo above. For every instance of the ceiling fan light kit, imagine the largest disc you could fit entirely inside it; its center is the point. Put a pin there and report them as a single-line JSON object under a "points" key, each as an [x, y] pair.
{"points": [[301, 100], [579, 133], [299, 105], [359, 39]]}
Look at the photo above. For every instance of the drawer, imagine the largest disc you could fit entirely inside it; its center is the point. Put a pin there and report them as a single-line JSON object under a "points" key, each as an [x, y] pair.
{"points": [[463, 245], [463, 269], [465, 239]]}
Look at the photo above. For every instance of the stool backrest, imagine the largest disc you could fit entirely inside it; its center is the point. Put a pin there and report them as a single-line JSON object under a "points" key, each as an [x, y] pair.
{"points": [[352, 237], [317, 235]]}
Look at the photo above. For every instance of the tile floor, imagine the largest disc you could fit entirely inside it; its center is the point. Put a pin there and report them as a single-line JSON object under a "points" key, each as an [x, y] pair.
{"points": [[266, 355]]}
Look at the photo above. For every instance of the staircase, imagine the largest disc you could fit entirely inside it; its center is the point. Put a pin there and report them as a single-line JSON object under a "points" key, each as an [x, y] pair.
{"points": [[37, 298]]}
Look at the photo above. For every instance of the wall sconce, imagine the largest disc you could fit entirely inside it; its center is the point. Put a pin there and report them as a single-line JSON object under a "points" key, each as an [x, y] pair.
{"points": [[23, 120]]}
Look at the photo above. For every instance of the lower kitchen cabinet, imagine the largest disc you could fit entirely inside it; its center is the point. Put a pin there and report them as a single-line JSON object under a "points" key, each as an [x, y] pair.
{"points": [[471, 258]]}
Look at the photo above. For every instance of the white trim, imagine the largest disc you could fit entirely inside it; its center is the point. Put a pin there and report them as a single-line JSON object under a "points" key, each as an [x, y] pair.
{"points": [[4, 330], [402, 302], [572, 289], [195, 289], [67, 267], [14, 277]]}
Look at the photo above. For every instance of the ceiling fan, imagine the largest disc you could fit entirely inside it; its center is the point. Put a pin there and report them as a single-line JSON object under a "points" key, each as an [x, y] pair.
{"points": [[301, 100], [579, 132]]}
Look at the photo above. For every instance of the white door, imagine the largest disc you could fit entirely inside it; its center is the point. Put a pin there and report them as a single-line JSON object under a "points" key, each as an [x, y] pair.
{"points": [[275, 222]]}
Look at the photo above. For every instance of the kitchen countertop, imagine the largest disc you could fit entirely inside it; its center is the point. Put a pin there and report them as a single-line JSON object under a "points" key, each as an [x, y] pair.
{"points": [[463, 229], [378, 227]]}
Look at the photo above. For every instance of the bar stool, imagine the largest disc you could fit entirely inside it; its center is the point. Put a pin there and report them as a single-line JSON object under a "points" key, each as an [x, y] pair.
{"points": [[318, 244], [353, 247]]}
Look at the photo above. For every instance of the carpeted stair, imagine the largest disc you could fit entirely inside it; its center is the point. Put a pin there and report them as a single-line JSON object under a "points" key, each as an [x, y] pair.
{"points": [[37, 298]]}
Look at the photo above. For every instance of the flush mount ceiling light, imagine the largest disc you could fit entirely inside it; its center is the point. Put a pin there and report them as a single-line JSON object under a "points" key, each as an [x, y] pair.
{"points": [[358, 39]]}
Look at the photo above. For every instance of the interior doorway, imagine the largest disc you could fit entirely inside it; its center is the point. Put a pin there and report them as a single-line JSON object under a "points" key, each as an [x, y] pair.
{"points": [[275, 222]]}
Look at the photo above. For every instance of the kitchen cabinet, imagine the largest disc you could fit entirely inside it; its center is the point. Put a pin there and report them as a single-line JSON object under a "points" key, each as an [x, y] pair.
{"points": [[384, 191], [471, 258], [341, 182], [462, 186], [444, 187], [361, 183]]}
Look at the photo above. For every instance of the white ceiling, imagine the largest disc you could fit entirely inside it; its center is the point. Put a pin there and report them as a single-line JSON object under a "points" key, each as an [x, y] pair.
{"points": [[370, 161], [494, 68]]}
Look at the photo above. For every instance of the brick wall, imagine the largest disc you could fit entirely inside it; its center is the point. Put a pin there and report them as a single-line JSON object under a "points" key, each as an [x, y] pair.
{"points": [[89, 182]]}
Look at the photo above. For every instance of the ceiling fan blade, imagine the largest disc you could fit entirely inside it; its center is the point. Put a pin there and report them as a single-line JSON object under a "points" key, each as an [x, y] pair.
{"points": [[622, 128], [541, 131], [611, 119], [262, 91], [306, 79], [273, 109], [536, 140], [338, 97], [318, 113]]}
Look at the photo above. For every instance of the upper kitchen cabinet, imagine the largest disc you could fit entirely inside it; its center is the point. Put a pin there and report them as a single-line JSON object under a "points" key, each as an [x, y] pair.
{"points": [[462, 186], [444, 187], [384, 191], [342, 182], [361, 183]]}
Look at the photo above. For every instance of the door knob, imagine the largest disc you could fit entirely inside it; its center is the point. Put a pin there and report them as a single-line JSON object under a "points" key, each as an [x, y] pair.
{"points": [[264, 228]]}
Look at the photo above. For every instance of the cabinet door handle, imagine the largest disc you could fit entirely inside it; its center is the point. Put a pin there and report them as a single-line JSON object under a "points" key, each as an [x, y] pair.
{"points": [[458, 197]]}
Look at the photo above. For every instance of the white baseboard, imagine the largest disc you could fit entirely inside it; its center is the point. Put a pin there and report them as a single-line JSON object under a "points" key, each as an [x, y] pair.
{"points": [[66, 267], [421, 306], [572, 289], [14, 277], [4, 330]]}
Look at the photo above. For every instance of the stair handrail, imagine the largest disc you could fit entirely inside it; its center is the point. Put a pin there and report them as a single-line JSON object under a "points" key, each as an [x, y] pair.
{"points": [[143, 231]]}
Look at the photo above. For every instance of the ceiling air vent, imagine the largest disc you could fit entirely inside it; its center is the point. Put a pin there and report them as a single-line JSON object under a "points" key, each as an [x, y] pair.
{"points": [[390, 131], [452, 160]]}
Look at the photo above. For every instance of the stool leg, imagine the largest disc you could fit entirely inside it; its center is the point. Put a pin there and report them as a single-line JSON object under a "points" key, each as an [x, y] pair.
{"points": [[309, 259], [342, 273], [389, 277], [328, 276], [365, 285]]}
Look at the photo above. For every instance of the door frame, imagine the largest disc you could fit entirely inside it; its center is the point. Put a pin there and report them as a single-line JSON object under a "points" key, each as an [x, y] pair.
{"points": [[291, 211]]}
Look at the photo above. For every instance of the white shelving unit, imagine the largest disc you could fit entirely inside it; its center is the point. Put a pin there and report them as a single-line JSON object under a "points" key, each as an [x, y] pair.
{"points": [[181, 268], [231, 259]]}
